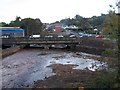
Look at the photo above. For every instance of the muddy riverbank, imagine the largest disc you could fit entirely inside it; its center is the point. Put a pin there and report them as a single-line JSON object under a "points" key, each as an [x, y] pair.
{"points": [[31, 67], [67, 77], [9, 51]]}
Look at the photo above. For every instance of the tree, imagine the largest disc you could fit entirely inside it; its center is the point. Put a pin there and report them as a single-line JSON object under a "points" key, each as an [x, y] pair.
{"points": [[110, 26], [16, 23], [78, 17], [31, 26], [38, 25], [3, 24]]}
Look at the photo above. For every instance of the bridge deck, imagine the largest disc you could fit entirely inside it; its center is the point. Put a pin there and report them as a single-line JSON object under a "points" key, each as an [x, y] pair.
{"points": [[40, 41]]}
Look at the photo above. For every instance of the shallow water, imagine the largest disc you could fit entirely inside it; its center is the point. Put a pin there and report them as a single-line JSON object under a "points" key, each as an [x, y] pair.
{"points": [[29, 65], [81, 63]]}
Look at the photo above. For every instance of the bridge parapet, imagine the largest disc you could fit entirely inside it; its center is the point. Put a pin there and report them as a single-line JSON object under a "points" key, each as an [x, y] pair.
{"points": [[40, 41]]}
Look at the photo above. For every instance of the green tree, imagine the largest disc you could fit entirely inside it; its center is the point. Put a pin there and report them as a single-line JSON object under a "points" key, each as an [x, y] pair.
{"points": [[31, 26], [85, 24], [97, 20], [78, 17], [110, 26], [3, 24], [16, 23]]}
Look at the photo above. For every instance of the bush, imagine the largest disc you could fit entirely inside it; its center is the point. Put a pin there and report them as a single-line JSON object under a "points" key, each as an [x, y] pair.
{"points": [[110, 53], [107, 80]]}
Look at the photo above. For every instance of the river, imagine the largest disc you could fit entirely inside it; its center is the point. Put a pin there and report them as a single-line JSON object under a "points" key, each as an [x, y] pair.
{"points": [[29, 65]]}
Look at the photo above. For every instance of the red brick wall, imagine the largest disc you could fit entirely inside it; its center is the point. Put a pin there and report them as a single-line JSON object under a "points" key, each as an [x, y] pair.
{"points": [[57, 27]]}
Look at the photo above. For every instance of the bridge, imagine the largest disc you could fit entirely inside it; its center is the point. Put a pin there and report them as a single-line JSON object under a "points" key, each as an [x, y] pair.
{"points": [[40, 40], [46, 42], [84, 43]]}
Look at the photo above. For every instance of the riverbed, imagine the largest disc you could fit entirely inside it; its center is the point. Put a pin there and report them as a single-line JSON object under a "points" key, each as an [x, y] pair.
{"points": [[27, 66]]}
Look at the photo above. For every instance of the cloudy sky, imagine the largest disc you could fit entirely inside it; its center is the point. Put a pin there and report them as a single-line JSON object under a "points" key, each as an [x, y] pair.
{"points": [[49, 11]]}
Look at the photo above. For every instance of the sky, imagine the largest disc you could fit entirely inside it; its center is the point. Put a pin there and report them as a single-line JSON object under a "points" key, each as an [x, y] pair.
{"points": [[49, 11]]}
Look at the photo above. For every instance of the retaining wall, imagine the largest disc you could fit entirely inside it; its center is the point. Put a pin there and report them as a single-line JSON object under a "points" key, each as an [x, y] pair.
{"points": [[11, 50]]}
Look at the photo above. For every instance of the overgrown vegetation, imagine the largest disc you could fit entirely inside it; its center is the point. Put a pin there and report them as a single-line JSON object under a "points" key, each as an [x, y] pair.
{"points": [[110, 25], [110, 53], [106, 80], [110, 78]]}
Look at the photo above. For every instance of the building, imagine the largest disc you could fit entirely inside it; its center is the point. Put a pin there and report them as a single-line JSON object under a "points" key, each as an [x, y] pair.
{"points": [[7, 32], [58, 27], [53, 27]]}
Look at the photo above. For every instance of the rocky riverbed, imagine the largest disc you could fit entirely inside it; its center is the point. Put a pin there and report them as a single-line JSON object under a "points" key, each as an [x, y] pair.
{"points": [[35, 68]]}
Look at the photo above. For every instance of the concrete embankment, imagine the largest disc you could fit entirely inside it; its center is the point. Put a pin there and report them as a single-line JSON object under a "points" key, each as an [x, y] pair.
{"points": [[9, 51]]}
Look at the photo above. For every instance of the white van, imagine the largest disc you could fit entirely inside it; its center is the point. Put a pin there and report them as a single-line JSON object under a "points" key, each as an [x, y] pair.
{"points": [[34, 36]]}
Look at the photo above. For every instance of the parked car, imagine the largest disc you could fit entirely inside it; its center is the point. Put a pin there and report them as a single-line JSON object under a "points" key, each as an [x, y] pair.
{"points": [[72, 36], [60, 36], [34, 36], [84, 35], [49, 36], [100, 36]]}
